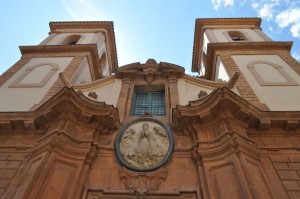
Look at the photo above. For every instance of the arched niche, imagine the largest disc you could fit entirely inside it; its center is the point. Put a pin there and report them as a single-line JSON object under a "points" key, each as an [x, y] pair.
{"points": [[71, 40], [270, 74], [235, 35], [35, 76]]}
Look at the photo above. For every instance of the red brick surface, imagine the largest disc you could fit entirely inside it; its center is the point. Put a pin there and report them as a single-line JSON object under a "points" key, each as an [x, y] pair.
{"points": [[291, 185]]}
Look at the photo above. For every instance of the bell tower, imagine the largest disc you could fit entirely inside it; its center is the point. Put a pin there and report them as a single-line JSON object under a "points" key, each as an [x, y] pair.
{"points": [[269, 75], [81, 52]]}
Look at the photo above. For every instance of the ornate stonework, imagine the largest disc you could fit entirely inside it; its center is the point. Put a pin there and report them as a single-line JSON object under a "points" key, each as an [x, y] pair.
{"points": [[144, 144], [141, 184]]}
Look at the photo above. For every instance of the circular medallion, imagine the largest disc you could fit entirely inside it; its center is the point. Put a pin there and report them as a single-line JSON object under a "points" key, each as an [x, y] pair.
{"points": [[144, 144]]}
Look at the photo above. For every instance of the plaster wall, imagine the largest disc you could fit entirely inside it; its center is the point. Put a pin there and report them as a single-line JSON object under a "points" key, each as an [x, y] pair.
{"points": [[83, 74], [100, 41], [36, 75], [104, 65], [107, 92], [189, 90], [205, 42], [276, 97], [219, 34], [221, 73], [23, 98], [204, 52]]}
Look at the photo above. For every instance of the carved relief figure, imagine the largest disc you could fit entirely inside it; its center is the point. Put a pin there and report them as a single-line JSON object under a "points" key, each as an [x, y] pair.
{"points": [[144, 145]]}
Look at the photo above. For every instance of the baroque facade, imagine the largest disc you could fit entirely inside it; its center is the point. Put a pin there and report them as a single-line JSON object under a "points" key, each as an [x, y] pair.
{"points": [[73, 124]]}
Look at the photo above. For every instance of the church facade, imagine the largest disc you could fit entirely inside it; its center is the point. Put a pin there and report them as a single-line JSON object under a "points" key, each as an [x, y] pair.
{"points": [[73, 124]]}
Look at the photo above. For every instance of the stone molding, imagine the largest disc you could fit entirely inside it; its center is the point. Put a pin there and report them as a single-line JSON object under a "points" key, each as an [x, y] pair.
{"points": [[279, 69], [161, 69], [88, 50], [54, 152], [133, 76], [17, 83], [67, 148], [241, 48], [98, 193], [225, 155], [141, 184], [12, 70], [62, 81]]}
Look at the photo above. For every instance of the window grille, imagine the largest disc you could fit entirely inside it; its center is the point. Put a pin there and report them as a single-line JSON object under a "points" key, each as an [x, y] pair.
{"points": [[148, 102]]}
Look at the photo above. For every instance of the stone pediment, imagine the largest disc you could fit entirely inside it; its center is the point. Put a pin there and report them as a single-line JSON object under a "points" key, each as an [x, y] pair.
{"points": [[151, 67]]}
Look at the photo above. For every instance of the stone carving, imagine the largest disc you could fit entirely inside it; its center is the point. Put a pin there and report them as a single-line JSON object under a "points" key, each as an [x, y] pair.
{"points": [[151, 61], [149, 78], [144, 145], [202, 94], [93, 95], [150, 72], [141, 184], [150, 69]]}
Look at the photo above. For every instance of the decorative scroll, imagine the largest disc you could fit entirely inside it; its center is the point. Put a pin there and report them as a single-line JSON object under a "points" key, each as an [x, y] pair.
{"points": [[141, 184]]}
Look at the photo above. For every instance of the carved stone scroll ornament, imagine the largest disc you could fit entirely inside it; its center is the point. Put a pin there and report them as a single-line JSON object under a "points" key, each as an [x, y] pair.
{"points": [[150, 70], [202, 94], [144, 144], [149, 78], [149, 73], [141, 184]]}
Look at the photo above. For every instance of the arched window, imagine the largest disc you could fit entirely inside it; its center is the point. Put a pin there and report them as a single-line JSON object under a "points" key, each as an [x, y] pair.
{"points": [[71, 40], [237, 36]]}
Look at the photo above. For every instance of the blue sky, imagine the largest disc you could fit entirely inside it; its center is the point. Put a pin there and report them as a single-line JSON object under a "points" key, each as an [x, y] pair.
{"points": [[159, 29]]}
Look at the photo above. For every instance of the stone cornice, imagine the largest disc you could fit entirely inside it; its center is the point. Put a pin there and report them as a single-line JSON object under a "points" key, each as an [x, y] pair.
{"points": [[103, 26], [57, 50], [240, 48], [81, 25], [161, 69], [202, 22], [224, 101], [228, 143]]}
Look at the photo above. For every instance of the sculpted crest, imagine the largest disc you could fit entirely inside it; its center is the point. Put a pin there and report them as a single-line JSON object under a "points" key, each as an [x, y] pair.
{"points": [[144, 144]]}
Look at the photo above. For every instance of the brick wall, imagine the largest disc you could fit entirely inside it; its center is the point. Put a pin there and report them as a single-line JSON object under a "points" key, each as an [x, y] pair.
{"points": [[291, 61], [288, 170], [12, 70], [58, 85], [9, 165], [242, 85]]}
